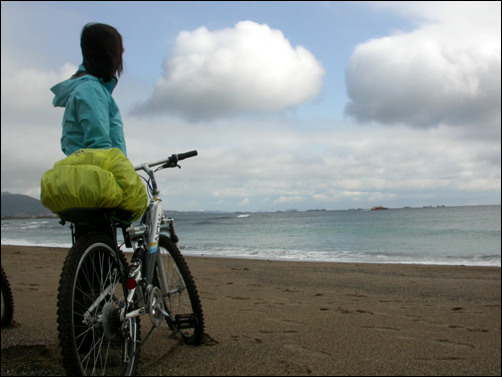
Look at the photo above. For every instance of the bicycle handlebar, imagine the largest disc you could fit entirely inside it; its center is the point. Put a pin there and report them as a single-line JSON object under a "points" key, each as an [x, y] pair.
{"points": [[182, 156], [172, 161]]}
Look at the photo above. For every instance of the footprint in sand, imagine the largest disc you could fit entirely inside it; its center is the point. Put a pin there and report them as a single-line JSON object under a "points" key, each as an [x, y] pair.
{"points": [[346, 311], [239, 298], [477, 330], [447, 341], [382, 328]]}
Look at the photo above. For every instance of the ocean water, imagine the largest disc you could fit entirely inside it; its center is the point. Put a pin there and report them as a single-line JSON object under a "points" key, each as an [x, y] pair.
{"points": [[446, 235]]}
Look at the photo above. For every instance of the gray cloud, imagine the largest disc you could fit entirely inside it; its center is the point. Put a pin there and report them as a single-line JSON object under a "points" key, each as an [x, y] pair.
{"points": [[283, 164], [250, 68]]}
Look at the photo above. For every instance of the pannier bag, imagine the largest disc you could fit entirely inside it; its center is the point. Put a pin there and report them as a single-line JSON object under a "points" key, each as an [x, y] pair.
{"points": [[92, 179]]}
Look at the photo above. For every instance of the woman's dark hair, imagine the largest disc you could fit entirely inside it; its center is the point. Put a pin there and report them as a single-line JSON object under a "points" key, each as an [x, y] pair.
{"points": [[102, 51]]}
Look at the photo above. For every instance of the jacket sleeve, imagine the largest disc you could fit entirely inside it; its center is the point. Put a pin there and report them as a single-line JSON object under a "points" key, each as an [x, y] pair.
{"points": [[93, 115]]}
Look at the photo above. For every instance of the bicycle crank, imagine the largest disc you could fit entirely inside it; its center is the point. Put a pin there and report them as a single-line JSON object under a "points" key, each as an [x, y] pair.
{"points": [[156, 311]]}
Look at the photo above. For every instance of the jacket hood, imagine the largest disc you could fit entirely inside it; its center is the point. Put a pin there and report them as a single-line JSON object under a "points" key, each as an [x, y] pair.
{"points": [[63, 90]]}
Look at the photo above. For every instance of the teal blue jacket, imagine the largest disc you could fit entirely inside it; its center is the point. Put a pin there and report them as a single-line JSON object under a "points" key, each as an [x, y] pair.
{"points": [[91, 118]]}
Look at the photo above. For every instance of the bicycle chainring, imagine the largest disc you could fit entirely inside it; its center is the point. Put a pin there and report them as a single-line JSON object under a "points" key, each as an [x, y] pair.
{"points": [[156, 303]]}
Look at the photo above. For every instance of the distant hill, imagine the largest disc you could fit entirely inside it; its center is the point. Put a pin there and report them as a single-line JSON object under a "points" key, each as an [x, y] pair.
{"points": [[15, 205]]}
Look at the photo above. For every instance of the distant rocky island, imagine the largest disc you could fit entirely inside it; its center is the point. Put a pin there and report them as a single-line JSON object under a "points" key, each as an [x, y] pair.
{"points": [[378, 208]]}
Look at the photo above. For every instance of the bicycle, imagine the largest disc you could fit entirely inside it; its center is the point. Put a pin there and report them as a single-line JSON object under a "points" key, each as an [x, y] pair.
{"points": [[101, 297], [7, 301]]}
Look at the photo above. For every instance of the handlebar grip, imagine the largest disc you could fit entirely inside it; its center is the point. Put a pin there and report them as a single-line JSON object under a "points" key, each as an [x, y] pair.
{"points": [[182, 156]]}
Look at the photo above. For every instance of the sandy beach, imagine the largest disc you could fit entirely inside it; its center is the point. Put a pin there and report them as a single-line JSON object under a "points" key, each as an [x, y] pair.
{"points": [[288, 318]]}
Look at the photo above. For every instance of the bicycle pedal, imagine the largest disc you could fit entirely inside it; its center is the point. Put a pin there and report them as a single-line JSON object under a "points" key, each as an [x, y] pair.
{"points": [[185, 321]]}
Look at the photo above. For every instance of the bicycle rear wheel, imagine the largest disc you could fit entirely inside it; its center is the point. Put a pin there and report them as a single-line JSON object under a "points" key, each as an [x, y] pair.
{"points": [[94, 336], [181, 299]]}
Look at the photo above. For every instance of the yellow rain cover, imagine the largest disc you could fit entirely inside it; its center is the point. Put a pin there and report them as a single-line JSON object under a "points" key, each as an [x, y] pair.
{"points": [[94, 178]]}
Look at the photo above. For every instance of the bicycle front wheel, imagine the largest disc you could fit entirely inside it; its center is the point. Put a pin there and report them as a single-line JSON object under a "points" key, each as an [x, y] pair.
{"points": [[7, 301], [181, 299], [94, 335]]}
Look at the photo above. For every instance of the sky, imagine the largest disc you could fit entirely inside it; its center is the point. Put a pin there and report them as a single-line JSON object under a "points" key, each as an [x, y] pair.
{"points": [[291, 105]]}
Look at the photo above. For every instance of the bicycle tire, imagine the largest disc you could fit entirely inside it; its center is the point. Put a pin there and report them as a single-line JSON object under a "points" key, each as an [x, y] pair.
{"points": [[183, 302], [7, 301], [94, 339]]}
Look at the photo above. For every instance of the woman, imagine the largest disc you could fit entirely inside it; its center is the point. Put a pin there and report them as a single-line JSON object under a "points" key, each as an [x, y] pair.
{"points": [[92, 118]]}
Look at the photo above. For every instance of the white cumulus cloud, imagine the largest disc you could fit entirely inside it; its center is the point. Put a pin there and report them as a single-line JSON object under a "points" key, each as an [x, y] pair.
{"points": [[249, 68], [447, 71]]}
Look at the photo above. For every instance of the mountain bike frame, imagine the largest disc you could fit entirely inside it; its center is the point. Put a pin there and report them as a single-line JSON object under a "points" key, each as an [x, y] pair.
{"points": [[144, 239]]}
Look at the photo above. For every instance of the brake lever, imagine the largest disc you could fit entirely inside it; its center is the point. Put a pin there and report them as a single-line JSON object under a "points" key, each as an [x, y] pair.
{"points": [[170, 165]]}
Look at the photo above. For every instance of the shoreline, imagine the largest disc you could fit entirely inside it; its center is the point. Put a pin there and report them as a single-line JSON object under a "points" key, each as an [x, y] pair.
{"points": [[201, 254], [265, 317]]}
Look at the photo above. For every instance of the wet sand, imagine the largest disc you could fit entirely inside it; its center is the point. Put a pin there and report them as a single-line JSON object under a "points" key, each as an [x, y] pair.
{"points": [[288, 318]]}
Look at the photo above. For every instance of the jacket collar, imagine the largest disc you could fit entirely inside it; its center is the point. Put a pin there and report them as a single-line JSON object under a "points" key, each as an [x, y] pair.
{"points": [[110, 85]]}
